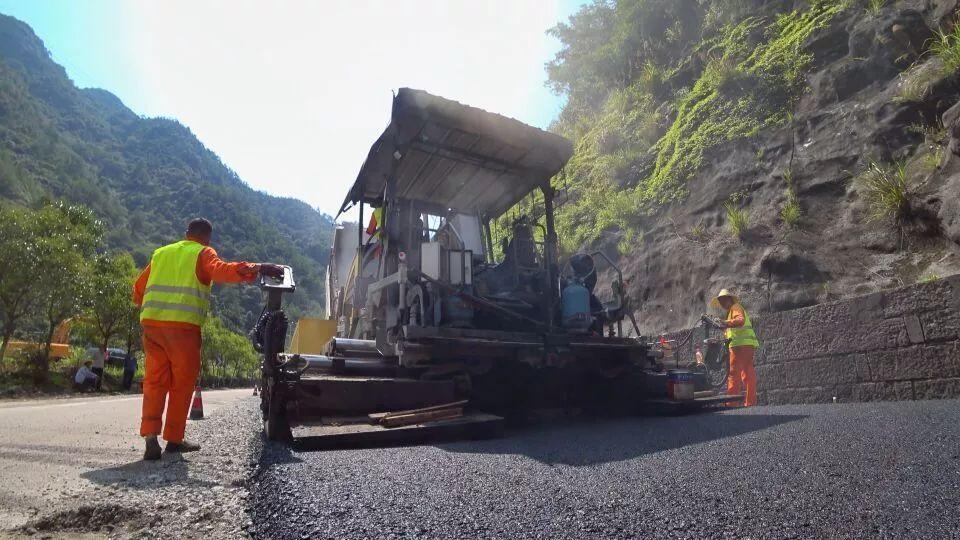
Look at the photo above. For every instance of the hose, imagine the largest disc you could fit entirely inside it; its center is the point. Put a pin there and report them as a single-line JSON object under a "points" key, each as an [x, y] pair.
{"points": [[270, 332], [256, 333]]}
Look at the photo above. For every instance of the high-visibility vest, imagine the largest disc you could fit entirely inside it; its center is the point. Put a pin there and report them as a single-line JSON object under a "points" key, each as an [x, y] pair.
{"points": [[375, 227], [743, 335], [173, 292]]}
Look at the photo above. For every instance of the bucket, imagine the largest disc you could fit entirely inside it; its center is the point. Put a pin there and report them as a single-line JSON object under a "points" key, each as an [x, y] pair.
{"points": [[680, 385]]}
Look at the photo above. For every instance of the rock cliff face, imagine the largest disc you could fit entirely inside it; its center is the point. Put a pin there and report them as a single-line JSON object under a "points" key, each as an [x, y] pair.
{"points": [[876, 95]]}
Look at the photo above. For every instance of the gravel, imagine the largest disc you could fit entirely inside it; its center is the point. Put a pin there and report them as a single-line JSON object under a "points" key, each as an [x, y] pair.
{"points": [[879, 470], [196, 495]]}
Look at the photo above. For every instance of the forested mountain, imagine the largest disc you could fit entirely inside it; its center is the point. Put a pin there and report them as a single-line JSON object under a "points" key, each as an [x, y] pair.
{"points": [[794, 150], [144, 177]]}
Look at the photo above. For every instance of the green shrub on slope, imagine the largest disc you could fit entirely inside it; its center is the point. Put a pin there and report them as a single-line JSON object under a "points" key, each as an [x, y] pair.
{"points": [[627, 164]]}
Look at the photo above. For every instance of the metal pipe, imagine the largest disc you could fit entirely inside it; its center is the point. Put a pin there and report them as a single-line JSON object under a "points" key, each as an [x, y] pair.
{"points": [[344, 344], [360, 240], [402, 280], [319, 361], [551, 250], [489, 235]]}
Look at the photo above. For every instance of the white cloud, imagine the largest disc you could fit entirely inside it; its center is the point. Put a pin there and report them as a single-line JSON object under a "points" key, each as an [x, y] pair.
{"points": [[291, 94]]}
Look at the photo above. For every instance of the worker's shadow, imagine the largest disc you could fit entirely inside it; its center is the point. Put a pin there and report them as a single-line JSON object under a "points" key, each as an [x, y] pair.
{"points": [[592, 441], [170, 470]]}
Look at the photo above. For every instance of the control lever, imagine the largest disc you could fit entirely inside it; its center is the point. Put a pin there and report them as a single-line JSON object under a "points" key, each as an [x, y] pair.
{"points": [[712, 321]]}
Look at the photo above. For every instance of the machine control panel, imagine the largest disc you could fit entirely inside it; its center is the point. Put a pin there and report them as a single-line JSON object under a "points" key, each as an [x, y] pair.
{"points": [[285, 284]]}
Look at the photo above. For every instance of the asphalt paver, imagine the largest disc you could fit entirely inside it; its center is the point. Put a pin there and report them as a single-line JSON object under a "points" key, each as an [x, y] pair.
{"points": [[867, 470]]}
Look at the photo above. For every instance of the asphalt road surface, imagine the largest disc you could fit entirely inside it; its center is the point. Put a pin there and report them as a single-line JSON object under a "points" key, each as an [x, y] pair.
{"points": [[72, 452], [872, 470]]}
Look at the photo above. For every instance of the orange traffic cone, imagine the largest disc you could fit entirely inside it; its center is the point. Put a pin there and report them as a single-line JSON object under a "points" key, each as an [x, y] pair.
{"points": [[196, 410]]}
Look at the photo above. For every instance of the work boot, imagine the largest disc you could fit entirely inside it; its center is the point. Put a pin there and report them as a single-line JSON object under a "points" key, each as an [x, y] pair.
{"points": [[182, 446], [152, 453]]}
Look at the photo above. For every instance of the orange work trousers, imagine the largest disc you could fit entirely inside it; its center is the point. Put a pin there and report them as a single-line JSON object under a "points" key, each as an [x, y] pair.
{"points": [[171, 368], [742, 376]]}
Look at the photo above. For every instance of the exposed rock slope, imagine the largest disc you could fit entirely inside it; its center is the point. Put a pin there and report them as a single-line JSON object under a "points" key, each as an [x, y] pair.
{"points": [[874, 96]]}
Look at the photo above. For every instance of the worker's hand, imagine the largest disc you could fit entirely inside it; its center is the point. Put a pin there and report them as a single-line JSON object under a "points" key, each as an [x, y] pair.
{"points": [[271, 270]]}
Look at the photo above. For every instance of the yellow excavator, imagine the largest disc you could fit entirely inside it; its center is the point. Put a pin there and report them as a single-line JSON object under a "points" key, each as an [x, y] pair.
{"points": [[59, 346]]}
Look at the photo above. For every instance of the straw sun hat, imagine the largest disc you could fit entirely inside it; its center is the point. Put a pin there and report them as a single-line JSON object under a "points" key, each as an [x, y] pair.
{"points": [[724, 292]]}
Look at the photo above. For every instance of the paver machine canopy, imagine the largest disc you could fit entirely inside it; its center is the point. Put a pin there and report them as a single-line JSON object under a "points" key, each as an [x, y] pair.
{"points": [[433, 181]]}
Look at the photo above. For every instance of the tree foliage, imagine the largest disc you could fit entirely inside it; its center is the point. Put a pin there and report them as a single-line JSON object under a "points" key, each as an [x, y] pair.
{"points": [[19, 263], [45, 256], [67, 238], [52, 272], [226, 353], [143, 177], [112, 313]]}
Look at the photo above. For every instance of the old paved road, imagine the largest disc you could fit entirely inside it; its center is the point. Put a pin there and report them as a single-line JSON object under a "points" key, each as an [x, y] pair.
{"points": [[50, 447], [873, 470]]}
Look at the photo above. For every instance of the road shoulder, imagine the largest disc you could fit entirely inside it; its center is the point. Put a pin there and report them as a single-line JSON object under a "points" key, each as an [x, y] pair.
{"points": [[196, 495]]}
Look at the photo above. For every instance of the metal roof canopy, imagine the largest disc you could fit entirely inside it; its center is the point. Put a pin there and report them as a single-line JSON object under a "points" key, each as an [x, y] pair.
{"points": [[456, 156]]}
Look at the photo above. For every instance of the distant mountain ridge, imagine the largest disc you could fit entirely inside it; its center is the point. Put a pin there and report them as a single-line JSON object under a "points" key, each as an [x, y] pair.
{"points": [[143, 176]]}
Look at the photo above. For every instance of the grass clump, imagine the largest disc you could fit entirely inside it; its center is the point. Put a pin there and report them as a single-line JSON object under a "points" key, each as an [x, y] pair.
{"points": [[935, 133], [699, 232], [738, 218], [930, 162], [929, 277], [885, 189], [946, 45], [790, 212], [914, 87], [875, 6]]}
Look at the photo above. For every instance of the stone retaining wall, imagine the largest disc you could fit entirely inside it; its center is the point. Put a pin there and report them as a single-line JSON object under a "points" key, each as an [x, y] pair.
{"points": [[891, 345]]}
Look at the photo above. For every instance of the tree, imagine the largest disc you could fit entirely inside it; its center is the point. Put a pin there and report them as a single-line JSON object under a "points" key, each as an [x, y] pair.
{"points": [[66, 239], [112, 313], [18, 266], [226, 351]]}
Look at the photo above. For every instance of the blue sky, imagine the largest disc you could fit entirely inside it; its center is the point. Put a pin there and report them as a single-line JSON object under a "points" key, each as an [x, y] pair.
{"points": [[291, 94]]}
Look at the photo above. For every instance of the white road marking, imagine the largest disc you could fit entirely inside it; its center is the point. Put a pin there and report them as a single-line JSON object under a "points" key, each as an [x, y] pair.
{"points": [[20, 406], [7, 408]]}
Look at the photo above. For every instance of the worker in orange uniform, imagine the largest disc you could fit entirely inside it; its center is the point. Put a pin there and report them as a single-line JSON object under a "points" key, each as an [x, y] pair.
{"points": [[173, 292], [743, 345]]}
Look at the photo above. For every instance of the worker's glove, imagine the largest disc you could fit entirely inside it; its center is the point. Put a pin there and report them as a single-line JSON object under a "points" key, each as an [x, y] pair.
{"points": [[271, 270]]}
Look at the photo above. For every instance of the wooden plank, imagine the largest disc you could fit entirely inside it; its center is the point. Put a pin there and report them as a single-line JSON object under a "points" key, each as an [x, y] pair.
{"points": [[419, 418], [376, 417]]}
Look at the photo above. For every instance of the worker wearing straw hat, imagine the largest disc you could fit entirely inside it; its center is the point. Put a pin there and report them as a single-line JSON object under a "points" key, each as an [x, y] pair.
{"points": [[743, 345]]}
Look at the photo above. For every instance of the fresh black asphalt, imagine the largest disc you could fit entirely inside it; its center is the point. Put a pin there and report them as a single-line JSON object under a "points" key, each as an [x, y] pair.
{"points": [[871, 470]]}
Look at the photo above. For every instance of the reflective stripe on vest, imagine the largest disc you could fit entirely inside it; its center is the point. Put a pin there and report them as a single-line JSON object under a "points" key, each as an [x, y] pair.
{"points": [[173, 292], [743, 335]]}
